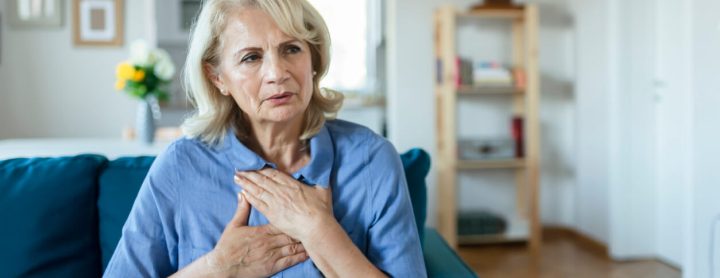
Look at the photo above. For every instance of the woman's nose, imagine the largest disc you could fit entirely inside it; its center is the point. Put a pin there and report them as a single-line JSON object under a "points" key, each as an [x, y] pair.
{"points": [[276, 69]]}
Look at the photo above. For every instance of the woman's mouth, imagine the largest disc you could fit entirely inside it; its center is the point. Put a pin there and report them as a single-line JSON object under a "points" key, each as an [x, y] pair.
{"points": [[280, 98]]}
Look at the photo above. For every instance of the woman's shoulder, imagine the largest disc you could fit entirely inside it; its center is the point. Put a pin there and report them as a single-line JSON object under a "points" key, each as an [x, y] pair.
{"points": [[348, 132], [180, 152], [185, 146], [351, 136]]}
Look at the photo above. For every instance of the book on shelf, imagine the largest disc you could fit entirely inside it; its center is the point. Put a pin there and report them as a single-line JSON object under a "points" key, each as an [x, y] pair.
{"points": [[518, 136], [482, 74], [463, 72], [519, 78], [491, 74]]}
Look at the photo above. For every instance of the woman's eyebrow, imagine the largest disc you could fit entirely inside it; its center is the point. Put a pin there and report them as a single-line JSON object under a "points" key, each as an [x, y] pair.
{"points": [[254, 48], [290, 41], [246, 49]]}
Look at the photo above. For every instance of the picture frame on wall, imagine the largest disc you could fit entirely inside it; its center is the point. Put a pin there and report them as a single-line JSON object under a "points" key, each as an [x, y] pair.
{"points": [[98, 22], [34, 14]]}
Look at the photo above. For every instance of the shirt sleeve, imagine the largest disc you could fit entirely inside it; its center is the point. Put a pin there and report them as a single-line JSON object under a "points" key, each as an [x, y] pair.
{"points": [[393, 245], [147, 245]]}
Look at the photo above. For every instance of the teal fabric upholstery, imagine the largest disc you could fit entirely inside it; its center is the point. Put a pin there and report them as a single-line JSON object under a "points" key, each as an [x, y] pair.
{"points": [[440, 259], [417, 165], [119, 184], [64, 216], [47, 206]]}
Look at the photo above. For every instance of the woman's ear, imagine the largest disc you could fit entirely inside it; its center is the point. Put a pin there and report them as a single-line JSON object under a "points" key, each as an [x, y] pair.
{"points": [[214, 76]]}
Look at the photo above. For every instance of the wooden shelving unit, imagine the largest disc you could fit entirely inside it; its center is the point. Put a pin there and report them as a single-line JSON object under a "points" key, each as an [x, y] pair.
{"points": [[525, 226], [478, 90]]}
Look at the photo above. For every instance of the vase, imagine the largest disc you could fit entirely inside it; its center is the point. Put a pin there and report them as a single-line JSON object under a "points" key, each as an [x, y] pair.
{"points": [[145, 123]]}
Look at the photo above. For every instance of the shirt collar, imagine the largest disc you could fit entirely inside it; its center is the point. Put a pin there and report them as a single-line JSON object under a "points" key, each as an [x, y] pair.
{"points": [[317, 171], [322, 156], [240, 156]]}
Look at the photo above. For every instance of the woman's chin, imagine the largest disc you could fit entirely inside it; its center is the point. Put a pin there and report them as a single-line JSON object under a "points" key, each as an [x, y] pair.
{"points": [[284, 114]]}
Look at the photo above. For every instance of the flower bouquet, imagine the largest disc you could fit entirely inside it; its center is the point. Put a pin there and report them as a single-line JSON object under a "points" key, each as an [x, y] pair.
{"points": [[146, 76], [147, 73]]}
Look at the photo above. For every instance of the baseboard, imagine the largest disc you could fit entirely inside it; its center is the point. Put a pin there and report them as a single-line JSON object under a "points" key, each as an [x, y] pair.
{"points": [[594, 246], [668, 262], [584, 241]]}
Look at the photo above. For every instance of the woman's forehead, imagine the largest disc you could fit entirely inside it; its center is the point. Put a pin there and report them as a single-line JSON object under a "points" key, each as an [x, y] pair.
{"points": [[251, 27]]}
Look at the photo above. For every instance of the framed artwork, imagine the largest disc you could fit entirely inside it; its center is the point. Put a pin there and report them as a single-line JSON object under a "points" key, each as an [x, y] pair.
{"points": [[98, 22], [34, 13]]}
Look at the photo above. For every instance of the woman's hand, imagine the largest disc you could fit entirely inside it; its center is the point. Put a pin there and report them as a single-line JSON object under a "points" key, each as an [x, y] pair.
{"points": [[294, 208], [305, 213], [244, 251]]}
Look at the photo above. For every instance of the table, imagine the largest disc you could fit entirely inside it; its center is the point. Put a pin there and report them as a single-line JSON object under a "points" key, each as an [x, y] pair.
{"points": [[111, 148]]}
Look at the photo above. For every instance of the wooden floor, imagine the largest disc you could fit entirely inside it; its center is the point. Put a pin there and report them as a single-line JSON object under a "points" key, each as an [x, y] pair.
{"points": [[562, 255]]}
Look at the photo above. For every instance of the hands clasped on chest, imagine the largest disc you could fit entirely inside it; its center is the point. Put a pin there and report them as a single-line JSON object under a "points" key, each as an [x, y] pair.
{"points": [[295, 210]]}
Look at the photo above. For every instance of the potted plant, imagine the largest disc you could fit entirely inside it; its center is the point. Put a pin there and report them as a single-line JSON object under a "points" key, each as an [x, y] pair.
{"points": [[146, 76]]}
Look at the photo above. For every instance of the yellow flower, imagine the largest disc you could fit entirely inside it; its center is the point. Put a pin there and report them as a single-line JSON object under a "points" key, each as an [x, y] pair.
{"points": [[138, 76], [125, 71], [119, 85]]}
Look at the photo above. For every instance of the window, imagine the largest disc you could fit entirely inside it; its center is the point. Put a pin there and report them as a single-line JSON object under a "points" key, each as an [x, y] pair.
{"points": [[356, 34]]}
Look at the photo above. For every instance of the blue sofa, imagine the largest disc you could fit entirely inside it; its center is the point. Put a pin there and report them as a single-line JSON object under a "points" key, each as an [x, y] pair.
{"points": [[63, 216]]}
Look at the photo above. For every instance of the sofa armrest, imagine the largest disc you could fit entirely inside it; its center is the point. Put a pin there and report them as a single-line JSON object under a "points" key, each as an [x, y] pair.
{"points": [[440, 259]]}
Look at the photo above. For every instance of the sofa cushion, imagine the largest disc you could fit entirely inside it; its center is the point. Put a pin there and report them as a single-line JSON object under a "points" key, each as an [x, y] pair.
{"points": [[49, 216], [417, 165], [440, 259], [122, 179], [119, 185]]}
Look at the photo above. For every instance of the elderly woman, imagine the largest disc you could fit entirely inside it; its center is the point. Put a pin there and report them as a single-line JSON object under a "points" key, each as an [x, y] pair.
{"points": [[265, 183]]}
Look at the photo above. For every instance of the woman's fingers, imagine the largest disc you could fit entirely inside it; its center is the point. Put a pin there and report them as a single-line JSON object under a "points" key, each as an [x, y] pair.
{"points": [[292, 249], [289, 261], [280, 240], [241, 213], [256, 202], [260, 181], [278, 176], [252, 187]]}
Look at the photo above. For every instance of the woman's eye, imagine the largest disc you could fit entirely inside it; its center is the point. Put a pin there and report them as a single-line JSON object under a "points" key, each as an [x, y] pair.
{"points": [[250, 58], [292, 49]]}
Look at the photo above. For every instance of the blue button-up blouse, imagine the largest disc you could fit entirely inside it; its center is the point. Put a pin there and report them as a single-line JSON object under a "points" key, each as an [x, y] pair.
{"points": [[189, 196]]}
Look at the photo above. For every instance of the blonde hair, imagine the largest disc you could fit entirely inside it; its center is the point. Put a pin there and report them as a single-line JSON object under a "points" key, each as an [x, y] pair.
{"points": [[215, 113]]}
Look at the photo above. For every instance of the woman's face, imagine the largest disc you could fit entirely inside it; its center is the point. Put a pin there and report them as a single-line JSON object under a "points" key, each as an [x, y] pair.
{"points": [[268, 73]]}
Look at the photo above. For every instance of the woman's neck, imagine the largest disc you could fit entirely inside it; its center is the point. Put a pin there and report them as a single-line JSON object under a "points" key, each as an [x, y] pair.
{"points": [[280, 144]]}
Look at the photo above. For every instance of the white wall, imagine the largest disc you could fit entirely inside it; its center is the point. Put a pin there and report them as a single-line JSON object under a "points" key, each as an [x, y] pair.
{"points": [[593, 82], [706, 135], [49, 87], [410, 80], [633, 125], [674, 118], [633, 188]]}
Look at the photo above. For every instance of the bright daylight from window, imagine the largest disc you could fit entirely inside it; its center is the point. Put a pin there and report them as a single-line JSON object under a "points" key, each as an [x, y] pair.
{"points": [[347, 21]]}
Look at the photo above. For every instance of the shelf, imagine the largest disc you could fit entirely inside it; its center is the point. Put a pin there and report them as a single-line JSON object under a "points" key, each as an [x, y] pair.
{"points": [[518, 231], [523, 31], [490, 164], [488, 90], [499, 13]]}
